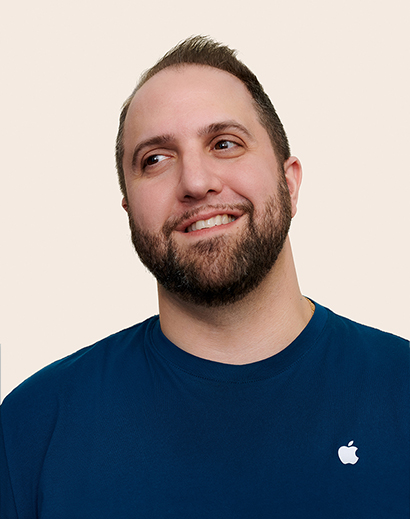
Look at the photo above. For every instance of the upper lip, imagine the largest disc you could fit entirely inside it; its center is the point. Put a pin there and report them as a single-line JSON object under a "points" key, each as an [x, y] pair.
{"points": [[205, 215]]}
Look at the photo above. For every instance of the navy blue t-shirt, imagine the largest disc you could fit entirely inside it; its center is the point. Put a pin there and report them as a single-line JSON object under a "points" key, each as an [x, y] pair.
{"points": [[134, 427]]}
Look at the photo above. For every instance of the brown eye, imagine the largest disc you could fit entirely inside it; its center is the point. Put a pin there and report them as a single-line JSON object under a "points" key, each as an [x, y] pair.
{"points": [[152, 160], [224, 145]]}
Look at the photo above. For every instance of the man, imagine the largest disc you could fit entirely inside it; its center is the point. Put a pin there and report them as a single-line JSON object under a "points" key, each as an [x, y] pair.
{"points": [[243, 399]]}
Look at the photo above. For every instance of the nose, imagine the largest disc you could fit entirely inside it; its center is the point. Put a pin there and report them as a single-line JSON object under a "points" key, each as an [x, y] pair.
{"points": [[198, 178]]}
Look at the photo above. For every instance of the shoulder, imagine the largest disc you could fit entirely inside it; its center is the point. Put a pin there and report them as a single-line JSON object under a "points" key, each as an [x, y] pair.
{"points": [[363, 333], [367, 344], [51, 407], [43, 389]]}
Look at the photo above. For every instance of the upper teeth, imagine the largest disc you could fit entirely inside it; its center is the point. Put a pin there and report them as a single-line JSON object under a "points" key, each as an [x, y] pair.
{"points": [[220, 219]]}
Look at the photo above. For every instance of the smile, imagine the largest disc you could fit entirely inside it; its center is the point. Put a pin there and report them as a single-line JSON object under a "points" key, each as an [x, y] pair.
{"points": [[220, 219]]}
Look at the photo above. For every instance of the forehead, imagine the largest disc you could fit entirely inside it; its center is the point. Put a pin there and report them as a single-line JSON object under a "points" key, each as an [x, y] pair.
{"points": [[177, 99]]}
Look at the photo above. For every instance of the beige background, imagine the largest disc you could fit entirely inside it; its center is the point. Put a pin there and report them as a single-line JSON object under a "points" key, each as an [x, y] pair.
{"points": [[338, 74]]}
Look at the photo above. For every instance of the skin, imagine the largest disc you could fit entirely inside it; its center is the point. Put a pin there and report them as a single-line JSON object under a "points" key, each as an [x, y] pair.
{"points": [[193, 142]]}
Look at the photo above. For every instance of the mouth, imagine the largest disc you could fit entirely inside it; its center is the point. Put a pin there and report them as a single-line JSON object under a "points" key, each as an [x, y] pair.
{"points": [[205, 218], [219, 219]]}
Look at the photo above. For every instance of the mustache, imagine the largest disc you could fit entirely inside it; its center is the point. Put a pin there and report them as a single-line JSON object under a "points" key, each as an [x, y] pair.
{"points": [[172, 223]]}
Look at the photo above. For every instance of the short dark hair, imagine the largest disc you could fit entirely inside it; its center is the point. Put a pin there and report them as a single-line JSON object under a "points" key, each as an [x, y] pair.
{"points": [[202, 50]]}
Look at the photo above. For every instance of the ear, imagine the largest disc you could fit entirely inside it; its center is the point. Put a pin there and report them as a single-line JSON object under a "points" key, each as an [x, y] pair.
{"points": [[293, 174], [124, 204]]}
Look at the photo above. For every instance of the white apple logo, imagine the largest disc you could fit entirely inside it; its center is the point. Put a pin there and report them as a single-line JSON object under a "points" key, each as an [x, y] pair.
{"points": [[347, 454]]}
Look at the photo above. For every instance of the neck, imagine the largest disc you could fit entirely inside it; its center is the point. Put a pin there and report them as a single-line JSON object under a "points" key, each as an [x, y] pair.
{"points": [[257, 327]]}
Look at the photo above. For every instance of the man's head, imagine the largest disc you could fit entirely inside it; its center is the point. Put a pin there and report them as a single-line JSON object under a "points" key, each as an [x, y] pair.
{"points": [[201, 50], [208, 199]]}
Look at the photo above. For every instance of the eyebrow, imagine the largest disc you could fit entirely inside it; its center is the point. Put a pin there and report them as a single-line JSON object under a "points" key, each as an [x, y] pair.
{"points": [[159, 140], [163, 140], [222, 126]]}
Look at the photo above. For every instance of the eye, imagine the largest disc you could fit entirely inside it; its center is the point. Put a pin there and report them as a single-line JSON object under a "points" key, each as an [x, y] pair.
{"points": [[225, 145], [152, 160]]}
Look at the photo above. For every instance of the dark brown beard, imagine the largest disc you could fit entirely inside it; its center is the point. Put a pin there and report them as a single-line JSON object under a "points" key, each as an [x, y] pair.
{"points": [[218, 271]]}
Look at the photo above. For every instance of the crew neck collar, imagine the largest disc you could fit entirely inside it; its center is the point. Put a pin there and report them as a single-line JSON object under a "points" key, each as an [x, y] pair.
{"points": [[259, 370]]}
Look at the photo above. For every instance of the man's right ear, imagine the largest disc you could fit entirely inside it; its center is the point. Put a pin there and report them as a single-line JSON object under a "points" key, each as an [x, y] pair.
{"points": [[124, 204]]}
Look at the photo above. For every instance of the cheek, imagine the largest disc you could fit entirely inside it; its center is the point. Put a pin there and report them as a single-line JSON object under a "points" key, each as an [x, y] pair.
{"points": [[149, 209], [254, 184]]}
